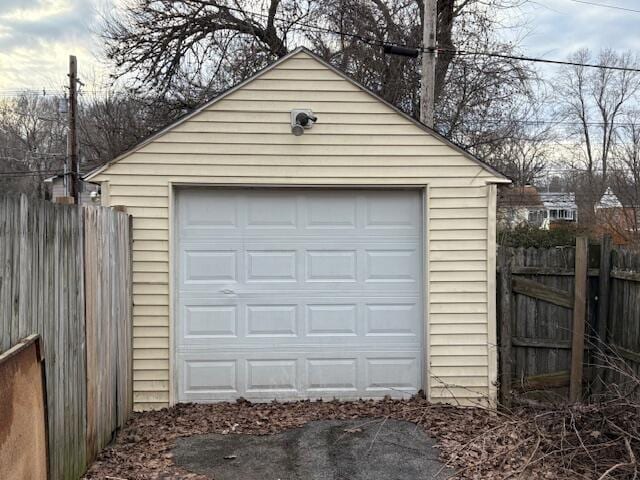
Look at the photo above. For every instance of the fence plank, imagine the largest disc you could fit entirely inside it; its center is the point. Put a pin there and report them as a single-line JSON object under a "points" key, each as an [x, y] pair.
{"points": [[43, 252], [579, 319], [604, 287], [540, 291], [537, 343], [108, 324], [505, 330]]}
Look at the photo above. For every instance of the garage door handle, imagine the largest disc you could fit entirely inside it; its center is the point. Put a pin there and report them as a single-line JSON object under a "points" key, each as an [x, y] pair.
{"points": [[228, 291]]}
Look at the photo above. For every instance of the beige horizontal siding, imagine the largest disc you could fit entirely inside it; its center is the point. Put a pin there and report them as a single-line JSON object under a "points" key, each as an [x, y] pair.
{"points": [[143, 374], [297, 75], [311, 140], [310, 85], [322, 130], [283, 117], [245, 139], [458, 328], [264, 171], [151, 321], [292, 161], [457, 287]]}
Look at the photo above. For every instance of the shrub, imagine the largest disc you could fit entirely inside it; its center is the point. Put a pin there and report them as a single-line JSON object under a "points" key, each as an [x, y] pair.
{"points": [[528, 236]]}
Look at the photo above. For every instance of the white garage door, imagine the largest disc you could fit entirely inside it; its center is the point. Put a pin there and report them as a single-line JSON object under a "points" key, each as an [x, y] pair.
{"points": [[289, 294]]}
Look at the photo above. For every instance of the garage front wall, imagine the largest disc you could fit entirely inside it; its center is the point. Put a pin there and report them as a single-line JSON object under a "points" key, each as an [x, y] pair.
{"points": [[244, 139]]}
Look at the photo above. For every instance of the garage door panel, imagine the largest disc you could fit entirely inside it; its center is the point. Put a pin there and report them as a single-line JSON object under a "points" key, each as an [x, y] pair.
{"points": [[271, 211], [393, 265], [331, 213], [229, 320], [331, 320], [392, 373], [271, 320], [272, 375], [394, 210], [283, 263], [288, 375], [210, 266], [271, 266], [210, 321], [327, 375], [205, 376], [293, 294], [208, 210], [327, 265], [392, 319]]}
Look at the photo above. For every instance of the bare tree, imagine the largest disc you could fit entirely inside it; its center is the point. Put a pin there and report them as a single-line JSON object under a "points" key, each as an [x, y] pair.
{"points": [[113, 122], [624, 180], [169, 43], [183, 48], [32, 142], [593, 100], [33, 134]]}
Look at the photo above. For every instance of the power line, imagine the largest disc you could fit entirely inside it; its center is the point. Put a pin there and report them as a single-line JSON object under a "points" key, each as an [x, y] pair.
{"points": [[613, 7], [554, 122], [419, 49], [540, 60]]}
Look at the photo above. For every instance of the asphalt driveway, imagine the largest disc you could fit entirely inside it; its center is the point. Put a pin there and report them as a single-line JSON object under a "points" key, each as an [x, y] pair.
{"points": [[368, 449]]}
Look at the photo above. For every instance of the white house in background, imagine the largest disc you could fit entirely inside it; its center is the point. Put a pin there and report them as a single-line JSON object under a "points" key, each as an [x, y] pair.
{"points": [[559, 206], [525, 205]]}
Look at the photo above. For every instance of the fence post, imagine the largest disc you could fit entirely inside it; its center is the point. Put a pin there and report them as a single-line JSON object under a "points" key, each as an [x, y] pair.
{"points": [[505, 328], [604, 284], [579, 314]]}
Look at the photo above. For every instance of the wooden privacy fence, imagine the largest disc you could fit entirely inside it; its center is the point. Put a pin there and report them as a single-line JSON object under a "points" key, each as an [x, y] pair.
{"points": [[65, 273], [620, 329], [558, 308]]}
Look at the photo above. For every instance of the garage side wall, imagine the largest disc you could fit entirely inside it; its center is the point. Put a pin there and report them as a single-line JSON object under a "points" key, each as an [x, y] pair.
{"points": [[245, 139]]}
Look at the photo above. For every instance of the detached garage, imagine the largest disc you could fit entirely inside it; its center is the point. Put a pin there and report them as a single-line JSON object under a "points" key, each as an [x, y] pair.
{"points": [[297, 237]]}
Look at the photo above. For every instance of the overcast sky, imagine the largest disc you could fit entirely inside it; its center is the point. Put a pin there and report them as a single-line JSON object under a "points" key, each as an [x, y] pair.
{"points": [[37, 36]]}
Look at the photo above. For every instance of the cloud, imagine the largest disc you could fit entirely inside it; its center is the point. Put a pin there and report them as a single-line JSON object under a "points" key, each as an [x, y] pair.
{"points": [[36, 37], [11, 5], [63, 25], [560, 27]]}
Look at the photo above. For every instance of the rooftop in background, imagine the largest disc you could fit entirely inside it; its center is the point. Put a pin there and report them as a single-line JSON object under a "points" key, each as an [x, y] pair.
{"points": [[609, 200], [564, 200]]}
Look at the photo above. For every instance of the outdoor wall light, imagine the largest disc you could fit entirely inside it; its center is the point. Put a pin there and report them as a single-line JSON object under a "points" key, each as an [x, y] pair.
{"points": [[301, 120]]}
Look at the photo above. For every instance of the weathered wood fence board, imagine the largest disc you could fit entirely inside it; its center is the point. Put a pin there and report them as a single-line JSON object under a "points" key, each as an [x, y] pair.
{"points": [[43, 251], [623, 332], [538, 326], [540, 301], [108, 324]]}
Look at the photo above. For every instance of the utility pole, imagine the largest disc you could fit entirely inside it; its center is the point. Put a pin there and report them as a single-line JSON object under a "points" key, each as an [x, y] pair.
{"points": [[72, 135], [427, 89]]}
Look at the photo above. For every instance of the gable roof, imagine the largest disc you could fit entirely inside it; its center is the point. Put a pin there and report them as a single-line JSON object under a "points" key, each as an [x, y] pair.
{"points": [[609, 200], [564, 200], [499, 177]]}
